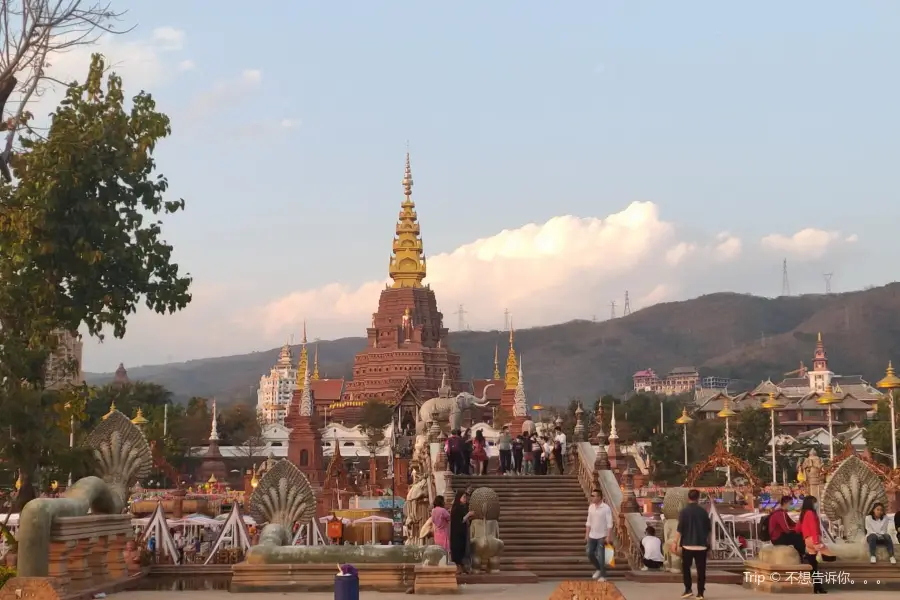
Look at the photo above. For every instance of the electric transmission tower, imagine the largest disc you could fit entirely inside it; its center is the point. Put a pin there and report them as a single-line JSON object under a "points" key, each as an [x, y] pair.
{"points": [[461, 318], [827, 277], [612, 309], [785, 284], [506, 319], [627, 310]]}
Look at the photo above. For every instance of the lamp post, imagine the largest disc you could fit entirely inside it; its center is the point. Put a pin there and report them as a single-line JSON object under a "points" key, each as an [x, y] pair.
{"points": [[685, 420], [662, 420], [890, 383], [826, 400], [770, 405], [726, 413]]}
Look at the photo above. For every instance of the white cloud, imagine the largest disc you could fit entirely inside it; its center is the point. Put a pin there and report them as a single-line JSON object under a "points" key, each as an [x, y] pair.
{"points": [[186, 65], [141, 63], [289, 123], [227, 92], [807, 244], [565, 268]]}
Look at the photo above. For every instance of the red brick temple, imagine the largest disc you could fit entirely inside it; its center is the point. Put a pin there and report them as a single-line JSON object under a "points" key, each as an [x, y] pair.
{"points": [[406, 354]]}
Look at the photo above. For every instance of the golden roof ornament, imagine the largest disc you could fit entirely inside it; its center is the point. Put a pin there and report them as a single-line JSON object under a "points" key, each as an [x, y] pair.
{"points": [[890, 380], [771, 403], [112, 409], [496, 362], [139, 418], [315, 373], [684, 419], [407, 263], [828, 397], [512, 366], [726, 412]]}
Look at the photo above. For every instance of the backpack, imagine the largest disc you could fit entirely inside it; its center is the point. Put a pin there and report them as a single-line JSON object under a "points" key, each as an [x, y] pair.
{"points": [[764, 529], [453, 444]]}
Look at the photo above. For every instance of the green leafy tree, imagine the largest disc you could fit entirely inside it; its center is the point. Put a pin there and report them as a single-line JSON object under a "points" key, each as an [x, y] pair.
{"points": [[667, 457], [373, 418], [82, 246], [242, 427], [751, 440], [878, 433]]}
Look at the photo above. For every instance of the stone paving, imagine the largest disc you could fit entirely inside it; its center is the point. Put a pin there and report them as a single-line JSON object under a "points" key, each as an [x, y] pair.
{"points": [[538, 591]]}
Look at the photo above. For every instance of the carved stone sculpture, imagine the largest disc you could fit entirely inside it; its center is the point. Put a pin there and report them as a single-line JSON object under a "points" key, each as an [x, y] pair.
{"points": [[122, 453], [850, 494], [282, 497], [812, 471], [450, 408], [416, 510], [527, 427], [484, 531], [674, 500]]}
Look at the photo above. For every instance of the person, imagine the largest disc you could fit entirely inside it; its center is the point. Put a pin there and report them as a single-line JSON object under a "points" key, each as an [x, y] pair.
{"points": [[782, 529], [459, 529], [455, 452], [517, 454], [877, 532], [652, 545], [545, 456], [692, 537], [440, 520], [479, 453], [596, 530], [811, 530], [467, 452], [504, 446], [559, 449], [528, 454]]}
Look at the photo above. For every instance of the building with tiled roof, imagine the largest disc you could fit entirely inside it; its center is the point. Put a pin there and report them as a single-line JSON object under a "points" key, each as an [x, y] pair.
{"points": [[677, 381], [798, 397]]}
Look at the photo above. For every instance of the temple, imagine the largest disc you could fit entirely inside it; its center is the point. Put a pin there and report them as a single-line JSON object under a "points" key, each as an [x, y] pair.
{"points": [[406, 354]]}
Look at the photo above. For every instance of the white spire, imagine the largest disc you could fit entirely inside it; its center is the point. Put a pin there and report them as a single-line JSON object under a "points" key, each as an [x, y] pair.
{"points": [[305, 397], [214, 430], [613, 434], [520, 404]]}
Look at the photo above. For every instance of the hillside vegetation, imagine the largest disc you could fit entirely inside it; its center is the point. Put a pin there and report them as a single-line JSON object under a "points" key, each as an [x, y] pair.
{"points": [[731, 335]]}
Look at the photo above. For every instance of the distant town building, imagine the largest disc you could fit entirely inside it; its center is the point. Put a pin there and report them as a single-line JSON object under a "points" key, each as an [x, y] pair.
{"points": [[798, 395], [715, 383], [678, 381], [64, 364]]}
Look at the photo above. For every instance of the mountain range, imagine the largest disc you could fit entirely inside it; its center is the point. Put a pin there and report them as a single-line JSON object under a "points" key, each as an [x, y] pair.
{"points": [[738, 336]]}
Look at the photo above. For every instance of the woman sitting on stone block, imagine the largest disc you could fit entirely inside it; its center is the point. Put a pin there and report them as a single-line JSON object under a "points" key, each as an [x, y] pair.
{"points": [[877, 532]]}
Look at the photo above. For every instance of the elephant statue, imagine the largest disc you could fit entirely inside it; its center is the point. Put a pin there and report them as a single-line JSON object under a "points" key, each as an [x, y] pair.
{"points": [[450, 408]]}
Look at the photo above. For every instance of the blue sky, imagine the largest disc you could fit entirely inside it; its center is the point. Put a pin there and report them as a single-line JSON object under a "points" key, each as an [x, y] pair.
{"points": [[735, 121]]}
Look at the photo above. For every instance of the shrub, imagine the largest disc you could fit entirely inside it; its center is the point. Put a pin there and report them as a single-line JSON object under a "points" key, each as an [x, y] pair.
{"points": [[6, 573]]}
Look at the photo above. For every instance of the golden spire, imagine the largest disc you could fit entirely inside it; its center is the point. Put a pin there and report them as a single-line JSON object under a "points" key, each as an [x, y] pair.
{"points": [[315, 373], [512, 366], [112, 409], [407, 264], [303, 363], [496, 362]]}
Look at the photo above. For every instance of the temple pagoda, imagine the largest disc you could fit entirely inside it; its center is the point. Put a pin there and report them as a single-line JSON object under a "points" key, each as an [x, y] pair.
{"points": [[406, 354]]}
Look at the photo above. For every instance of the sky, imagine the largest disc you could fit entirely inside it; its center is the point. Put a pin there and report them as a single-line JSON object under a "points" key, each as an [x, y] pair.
{"points": [[561, 156]]}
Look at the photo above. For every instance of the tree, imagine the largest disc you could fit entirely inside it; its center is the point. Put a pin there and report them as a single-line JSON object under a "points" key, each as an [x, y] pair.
{"points": [[751, 440], [667, 456], [79, 248], [242, 427], [878, 433], [128, 398], [373, 418], [34, 31]]}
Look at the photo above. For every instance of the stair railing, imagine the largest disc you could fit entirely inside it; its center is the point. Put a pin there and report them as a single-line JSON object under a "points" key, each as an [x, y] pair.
{"points": [[628, 528]]}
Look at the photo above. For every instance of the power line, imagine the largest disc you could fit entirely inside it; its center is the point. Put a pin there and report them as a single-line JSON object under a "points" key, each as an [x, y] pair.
{"points": [[461, 318], [612, 309], [627, 310], [827, 277], [785, 284]]}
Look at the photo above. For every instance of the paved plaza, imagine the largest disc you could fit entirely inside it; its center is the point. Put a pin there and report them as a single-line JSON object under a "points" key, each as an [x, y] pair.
{"points": [[538, 591]]}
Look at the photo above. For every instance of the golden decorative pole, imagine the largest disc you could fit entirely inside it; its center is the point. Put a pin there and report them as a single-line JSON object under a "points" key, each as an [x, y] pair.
{"points": [[826, 400], [685, 420], [770, 405], [726, 413], [890, 383]]}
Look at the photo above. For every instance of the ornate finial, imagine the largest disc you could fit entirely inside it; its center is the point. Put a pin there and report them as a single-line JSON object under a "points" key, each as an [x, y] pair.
{"points": [[285, 358], [890, 381], [496, 362], [613, 434], [214, 430], [305, 396], [112, 409], [303, 363], [512, 369], [726, 412], [819, 341], [520, 404], [315, 374], [444, 390], [407, 264], [139, 418]]}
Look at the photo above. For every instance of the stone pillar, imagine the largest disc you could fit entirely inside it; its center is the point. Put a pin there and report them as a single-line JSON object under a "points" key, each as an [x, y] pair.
{"points": [[601, 461], [58, 562], [115, 556], [629, 500], [96, 559]]}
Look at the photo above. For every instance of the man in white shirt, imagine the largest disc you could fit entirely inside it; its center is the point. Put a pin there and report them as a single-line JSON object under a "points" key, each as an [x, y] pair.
{"points": [[596, 530], [652, 546], [559, 449]]}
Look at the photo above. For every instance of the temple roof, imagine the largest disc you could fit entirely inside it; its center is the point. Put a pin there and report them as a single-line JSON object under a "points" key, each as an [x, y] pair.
{"points": [[495, 390], [327, 390], [407, 262]]}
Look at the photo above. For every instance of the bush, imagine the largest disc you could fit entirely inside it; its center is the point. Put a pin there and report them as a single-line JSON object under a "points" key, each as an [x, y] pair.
{"points": [[6, 573]]}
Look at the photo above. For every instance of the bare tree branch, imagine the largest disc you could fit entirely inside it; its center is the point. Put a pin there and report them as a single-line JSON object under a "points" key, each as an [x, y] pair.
{"points": [[34, 30]]}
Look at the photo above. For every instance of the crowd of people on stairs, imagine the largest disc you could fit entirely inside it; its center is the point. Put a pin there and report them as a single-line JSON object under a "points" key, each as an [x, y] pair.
{"points": [[527, 453]]}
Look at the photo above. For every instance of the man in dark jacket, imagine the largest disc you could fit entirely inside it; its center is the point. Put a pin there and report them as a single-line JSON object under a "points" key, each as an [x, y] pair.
{"points": [[693, 538]]}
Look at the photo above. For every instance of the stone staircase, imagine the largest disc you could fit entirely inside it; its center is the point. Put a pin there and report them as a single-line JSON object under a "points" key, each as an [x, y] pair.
{"points": [[541, 524]]}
